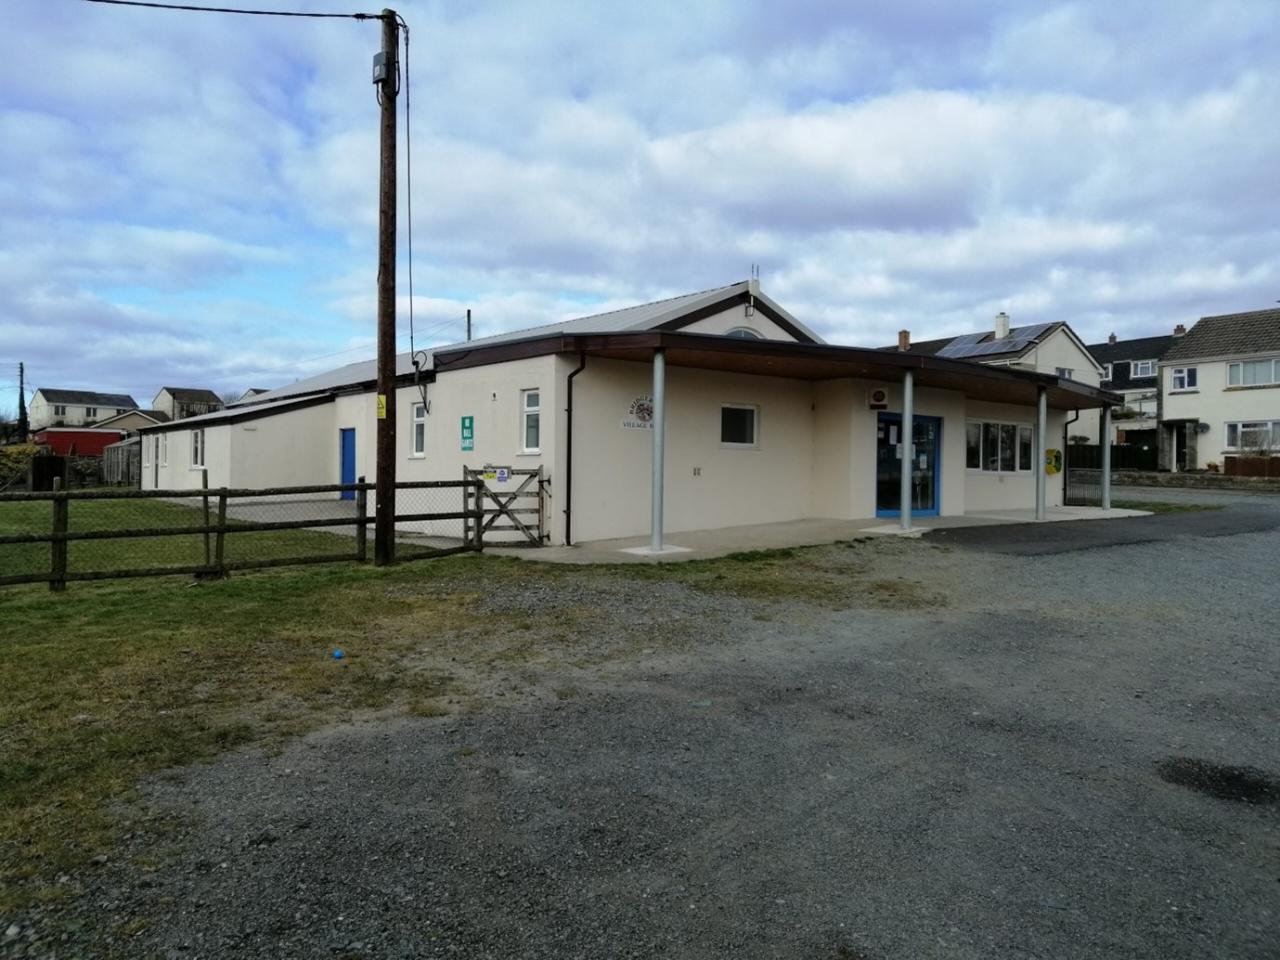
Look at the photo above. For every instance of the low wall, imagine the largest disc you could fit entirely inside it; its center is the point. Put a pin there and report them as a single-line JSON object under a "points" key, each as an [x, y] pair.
{"points": [[1192, 481]]}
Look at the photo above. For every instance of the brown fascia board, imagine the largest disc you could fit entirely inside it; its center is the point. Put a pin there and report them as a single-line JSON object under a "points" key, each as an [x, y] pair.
{"points": [[240, 415], [652, 340]]}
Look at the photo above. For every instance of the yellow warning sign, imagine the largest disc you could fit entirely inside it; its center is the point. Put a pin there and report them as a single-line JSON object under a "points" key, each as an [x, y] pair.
{"points": [[382, 406], [1052, 461]]}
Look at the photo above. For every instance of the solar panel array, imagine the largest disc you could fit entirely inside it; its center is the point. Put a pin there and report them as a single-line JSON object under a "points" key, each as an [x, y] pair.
{"points": [[973, 345]]}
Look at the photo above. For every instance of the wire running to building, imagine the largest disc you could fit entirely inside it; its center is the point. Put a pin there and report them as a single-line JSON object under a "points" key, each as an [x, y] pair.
{"points": [[252, 13]]}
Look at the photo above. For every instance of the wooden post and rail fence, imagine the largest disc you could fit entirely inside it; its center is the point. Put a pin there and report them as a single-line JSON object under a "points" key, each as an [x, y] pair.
{"points": [[215, 528]]}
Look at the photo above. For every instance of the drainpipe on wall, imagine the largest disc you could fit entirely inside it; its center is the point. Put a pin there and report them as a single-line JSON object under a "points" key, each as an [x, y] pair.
{"points": [[568, 451], [1066, 448]]}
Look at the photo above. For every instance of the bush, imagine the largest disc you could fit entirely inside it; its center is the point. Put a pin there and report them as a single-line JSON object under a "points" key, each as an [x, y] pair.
{"points": [[15, 461]]}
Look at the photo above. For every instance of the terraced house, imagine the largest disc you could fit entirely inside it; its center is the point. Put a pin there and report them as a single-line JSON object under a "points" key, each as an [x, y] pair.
{"points": [[1220, 393]]}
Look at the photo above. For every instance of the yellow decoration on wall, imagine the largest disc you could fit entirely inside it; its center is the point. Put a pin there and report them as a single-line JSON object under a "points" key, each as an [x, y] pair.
{"points": [[1052, 461]]}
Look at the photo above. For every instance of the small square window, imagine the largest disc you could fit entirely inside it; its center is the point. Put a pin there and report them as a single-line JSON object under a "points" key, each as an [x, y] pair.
{"points": [[1184, 378], [738, 426]]}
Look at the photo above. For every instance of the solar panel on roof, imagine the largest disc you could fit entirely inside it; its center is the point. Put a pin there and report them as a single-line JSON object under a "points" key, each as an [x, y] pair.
{"points": [[958, 346], [1007, 345], [1031, 332]]}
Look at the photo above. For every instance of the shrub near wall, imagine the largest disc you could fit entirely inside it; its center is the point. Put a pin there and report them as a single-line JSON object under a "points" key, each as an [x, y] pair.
{"points": [[15, 461]]}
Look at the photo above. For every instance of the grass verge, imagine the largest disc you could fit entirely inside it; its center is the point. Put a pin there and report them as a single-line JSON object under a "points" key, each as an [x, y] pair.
{"points": [[1160, 506]]}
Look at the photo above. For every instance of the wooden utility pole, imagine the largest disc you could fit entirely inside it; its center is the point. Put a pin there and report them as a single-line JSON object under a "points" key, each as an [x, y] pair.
{"points": [[23, 426], [384, 543]]}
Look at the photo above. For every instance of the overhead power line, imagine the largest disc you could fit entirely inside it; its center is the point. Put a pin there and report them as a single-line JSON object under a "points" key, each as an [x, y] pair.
{"points": [[251, 13]]}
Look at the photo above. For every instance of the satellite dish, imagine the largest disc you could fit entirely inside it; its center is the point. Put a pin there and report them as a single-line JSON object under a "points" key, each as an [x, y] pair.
{"points": [[1202, 427]]}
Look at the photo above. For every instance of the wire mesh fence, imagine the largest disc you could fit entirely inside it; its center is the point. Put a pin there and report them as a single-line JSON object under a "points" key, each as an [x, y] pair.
{"points": [[83, 535]]}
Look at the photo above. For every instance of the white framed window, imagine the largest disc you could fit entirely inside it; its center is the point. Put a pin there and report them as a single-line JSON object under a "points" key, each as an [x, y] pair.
{"points": [[1144, 368], [163, 440], [59, 409], [1253, 373], [1184, 378], [744, 333], [1253, 435], [530, 421], [120, 410], [197, 448], [738, 425], [90, 411], [1106, 371], [1066, 373], [999, 447], [419, 430]]}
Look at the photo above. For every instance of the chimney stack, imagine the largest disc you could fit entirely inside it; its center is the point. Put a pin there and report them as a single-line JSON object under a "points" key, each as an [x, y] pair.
{"points": [[1180, 331], [1002, 325], [1111, 339], [904, 340]]}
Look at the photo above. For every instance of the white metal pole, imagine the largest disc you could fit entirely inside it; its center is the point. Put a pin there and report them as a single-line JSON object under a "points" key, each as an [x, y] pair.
{"points": [[1042, 449], [659, 443], [1106, 458], [908, 459]]}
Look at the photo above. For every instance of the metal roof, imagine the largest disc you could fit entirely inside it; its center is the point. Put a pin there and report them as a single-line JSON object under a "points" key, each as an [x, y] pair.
{"points": [[234, 414], [645, 316]]}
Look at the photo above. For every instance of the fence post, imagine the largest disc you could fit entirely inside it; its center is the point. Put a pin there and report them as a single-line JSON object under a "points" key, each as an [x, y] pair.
{"points": [[58, 551], [477, 486], [220, 543], [362, 527], [208, 551]]}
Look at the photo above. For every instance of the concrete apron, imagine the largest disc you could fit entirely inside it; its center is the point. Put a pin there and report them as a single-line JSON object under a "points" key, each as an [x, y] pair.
{"points": [[706, 544]]}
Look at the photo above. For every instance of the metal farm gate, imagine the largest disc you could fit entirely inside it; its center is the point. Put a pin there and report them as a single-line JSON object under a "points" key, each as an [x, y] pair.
{"points": [[512, 501]]}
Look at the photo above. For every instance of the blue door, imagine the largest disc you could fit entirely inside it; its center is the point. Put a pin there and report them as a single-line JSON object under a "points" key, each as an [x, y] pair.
{"points": [[924, 466], [348, 471]]}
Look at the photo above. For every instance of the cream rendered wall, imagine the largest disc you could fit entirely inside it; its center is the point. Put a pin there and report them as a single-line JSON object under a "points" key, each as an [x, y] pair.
{"points": [[1006, 491], [295, 448], [611, 486], [833, 447], [1215, 403], [178, 474], [1059, 350], [736, 316]]}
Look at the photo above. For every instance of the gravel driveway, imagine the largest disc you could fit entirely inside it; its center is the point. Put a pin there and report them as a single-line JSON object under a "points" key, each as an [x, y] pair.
{"points": [[985, 774]]}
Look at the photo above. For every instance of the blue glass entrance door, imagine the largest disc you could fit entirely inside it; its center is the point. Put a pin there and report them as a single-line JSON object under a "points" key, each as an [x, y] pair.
{"points": [[925, 475], [347, 472]]}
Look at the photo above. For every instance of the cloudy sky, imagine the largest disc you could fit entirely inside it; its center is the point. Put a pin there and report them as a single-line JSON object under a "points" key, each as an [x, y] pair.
{"points": [[191, 198]]}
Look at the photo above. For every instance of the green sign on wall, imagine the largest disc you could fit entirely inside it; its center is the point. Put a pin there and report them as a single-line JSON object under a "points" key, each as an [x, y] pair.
{"points": [[468, 433]]}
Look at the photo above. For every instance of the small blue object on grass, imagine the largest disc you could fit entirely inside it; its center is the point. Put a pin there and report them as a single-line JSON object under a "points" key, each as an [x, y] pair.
{"points": [[338, 654]]}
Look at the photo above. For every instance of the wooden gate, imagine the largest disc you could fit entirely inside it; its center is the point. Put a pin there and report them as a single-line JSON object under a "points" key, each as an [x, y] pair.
{"points": [[512, 501]]}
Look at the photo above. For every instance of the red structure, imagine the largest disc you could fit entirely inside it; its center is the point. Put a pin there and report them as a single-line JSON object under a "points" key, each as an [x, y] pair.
{"points": [[77, 441]]}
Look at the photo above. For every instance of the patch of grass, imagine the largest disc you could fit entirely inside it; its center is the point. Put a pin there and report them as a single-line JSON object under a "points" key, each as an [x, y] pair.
{"points": [[1160, 506], [176, 550]]}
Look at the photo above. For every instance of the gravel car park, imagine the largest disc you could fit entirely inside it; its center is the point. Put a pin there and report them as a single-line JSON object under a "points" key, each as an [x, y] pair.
{"points": [[998, 742]]}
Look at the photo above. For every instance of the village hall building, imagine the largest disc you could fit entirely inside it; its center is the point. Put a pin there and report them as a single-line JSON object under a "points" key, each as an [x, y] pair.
{"points": [[705, 411]]}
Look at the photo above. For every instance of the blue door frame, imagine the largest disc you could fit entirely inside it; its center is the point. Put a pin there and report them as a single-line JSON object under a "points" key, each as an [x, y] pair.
{"points": [[937, 465], [347, 471]]}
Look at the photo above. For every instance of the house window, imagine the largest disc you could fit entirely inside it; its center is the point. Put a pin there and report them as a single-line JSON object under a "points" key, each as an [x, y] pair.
{"points": [[737, 425], [1106, 371], [419, 430], [1253, 373], [164, 449], [1144, 368], [1066, 373], [745, 333], [120, 410], [91, 412], [1254, 435], [59, 409], [531, 420], [197, 448], [999, 447], [1184, 378]]}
